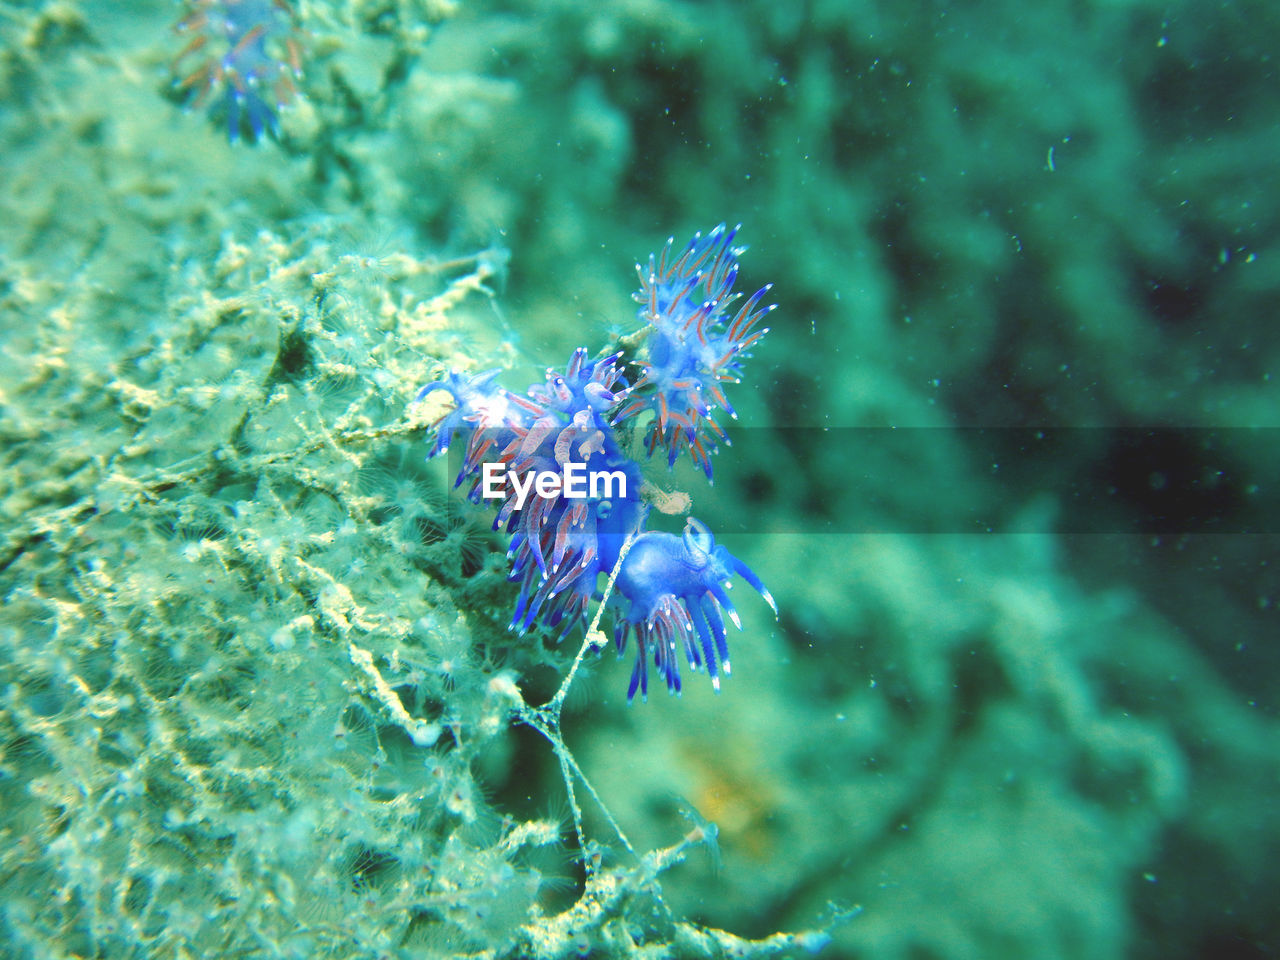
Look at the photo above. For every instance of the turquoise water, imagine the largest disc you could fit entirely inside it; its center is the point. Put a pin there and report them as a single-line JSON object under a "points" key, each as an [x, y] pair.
{"points": [[1005, 460]]}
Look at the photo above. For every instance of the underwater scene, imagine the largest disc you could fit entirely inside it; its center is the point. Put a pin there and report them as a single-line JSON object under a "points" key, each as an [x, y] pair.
{"points": [[639, 478]]}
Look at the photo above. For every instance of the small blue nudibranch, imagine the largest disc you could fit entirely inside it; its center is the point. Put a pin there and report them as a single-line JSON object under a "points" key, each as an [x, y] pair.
{"points": [[672, 592], [248, 59]]}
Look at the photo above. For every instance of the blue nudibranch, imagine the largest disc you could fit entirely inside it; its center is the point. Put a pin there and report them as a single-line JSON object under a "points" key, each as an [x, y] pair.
{"points": [[671, 591], [242, 59]]}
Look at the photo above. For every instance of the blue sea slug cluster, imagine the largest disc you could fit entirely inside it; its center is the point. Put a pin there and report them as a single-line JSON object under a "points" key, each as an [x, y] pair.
{"points": [[670, 592]]}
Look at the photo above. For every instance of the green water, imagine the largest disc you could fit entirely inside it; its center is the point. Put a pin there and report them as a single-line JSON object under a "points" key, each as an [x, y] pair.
{"points": [[1006, 460]]}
